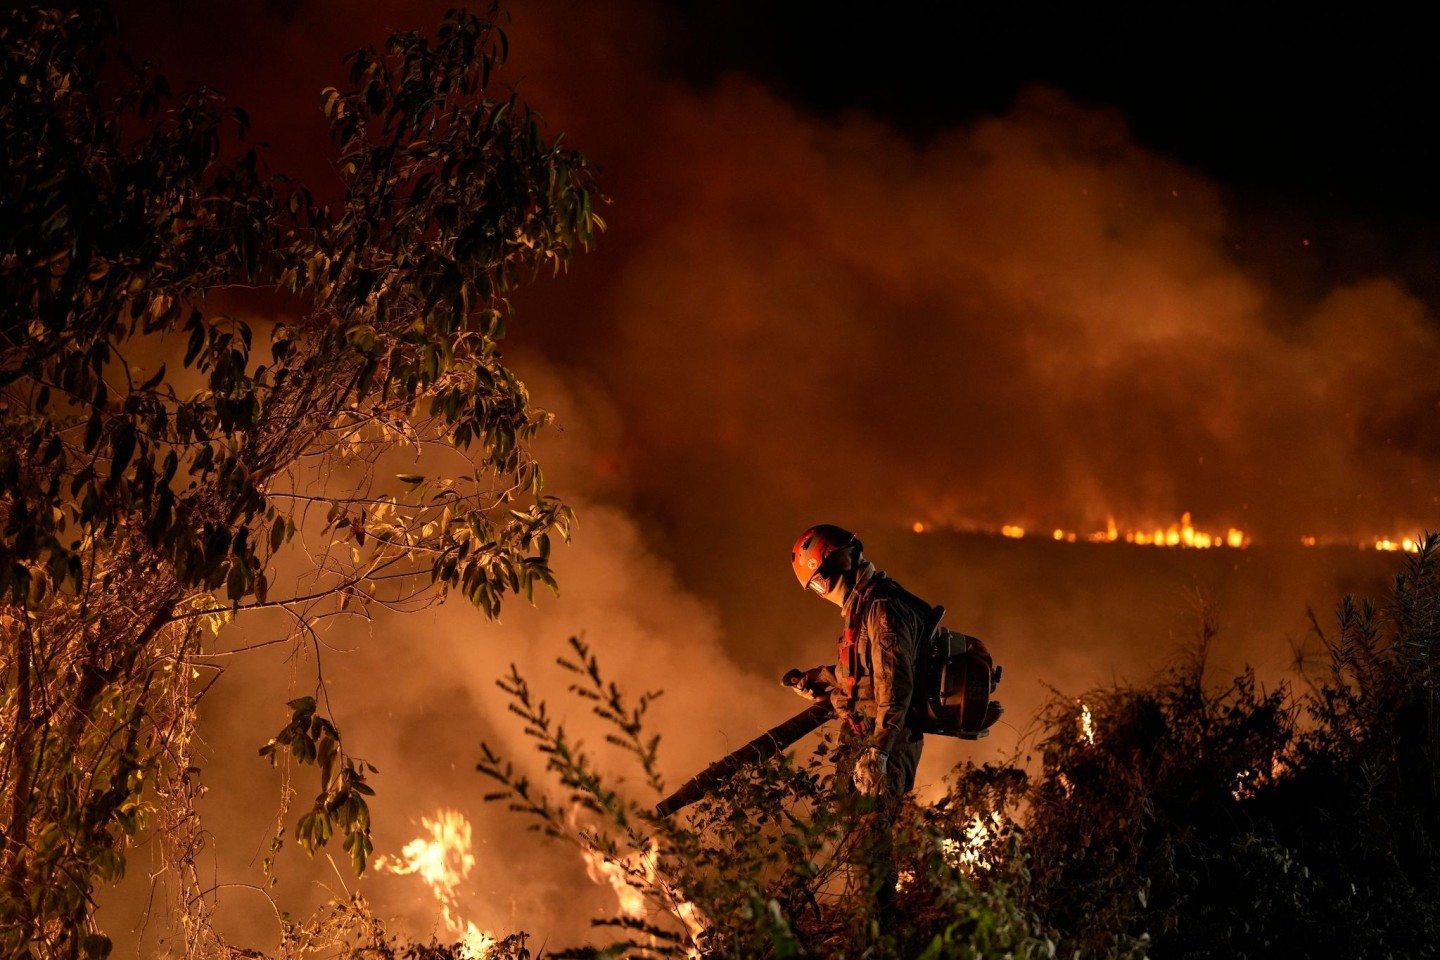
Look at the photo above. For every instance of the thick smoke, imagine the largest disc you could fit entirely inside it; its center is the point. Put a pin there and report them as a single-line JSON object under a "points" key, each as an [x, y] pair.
{"points": [[1032, 320], [1029, 321]]}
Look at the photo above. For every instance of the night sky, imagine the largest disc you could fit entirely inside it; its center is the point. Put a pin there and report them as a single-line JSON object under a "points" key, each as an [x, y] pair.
{"points": [[1042, 265], [1328, 104], [1318, 114]]}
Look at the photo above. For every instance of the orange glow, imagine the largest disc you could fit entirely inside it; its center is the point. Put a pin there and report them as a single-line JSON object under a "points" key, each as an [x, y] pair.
{"points": [[1308, 541], [1405, 543], [443, 861], [918, 527], [1013, 531]]}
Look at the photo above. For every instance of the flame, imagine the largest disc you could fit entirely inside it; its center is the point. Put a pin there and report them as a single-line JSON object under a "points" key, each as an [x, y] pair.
{"points": [[1249, 781], [603, 870], [1384, 544], [971, 852], [443, 861], [1087, 724], [1184, 533], [1404, 543], [626, 877]]}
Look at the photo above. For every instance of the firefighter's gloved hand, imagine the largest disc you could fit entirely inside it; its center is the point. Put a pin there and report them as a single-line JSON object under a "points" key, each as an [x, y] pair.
{"points": [[870, 771], [806, 684]]}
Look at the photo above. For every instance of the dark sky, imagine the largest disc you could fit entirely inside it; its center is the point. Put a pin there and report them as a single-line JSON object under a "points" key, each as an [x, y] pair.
{"points": [[1325, 110], [1322, 102]]}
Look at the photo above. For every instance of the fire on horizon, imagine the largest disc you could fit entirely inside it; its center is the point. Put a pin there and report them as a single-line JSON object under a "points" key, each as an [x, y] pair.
{"points": [[1182, 534]]}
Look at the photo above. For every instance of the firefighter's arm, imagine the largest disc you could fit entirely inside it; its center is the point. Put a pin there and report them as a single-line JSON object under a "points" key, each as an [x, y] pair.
{"points": [[894, 677]]}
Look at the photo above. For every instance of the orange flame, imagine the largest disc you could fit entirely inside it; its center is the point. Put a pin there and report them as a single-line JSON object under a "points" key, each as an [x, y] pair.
{"points": [[1385, 544], [972, 852], [629, 876], [1181, 534], [443, 861], [605, 871]]}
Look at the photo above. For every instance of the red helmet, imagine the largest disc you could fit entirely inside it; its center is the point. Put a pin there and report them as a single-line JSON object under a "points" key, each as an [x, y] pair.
{"points": [[814, 547]]}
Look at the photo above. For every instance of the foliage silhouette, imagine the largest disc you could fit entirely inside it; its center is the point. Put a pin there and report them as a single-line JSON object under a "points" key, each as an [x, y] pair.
{"points": [[172, 457]]}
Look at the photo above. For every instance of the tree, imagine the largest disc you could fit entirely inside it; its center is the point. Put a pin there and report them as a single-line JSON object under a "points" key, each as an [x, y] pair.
{"points": [[159, 446]]}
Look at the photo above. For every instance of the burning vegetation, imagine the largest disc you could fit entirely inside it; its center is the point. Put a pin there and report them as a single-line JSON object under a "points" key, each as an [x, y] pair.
{"points": [[1183, 534]]}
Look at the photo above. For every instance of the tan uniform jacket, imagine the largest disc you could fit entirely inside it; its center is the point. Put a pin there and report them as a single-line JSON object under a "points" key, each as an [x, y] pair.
{"points": [[875, 674]]}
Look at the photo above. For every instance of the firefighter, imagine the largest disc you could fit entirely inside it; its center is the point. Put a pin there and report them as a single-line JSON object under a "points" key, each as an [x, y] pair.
{"points": [[871, 683]]}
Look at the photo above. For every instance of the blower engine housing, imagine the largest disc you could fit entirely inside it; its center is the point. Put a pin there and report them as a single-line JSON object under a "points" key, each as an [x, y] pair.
{"points": [[957, 678]]}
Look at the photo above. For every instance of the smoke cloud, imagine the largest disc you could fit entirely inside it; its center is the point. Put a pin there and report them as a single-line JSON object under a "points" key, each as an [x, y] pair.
{"points": [[1031, 320]]}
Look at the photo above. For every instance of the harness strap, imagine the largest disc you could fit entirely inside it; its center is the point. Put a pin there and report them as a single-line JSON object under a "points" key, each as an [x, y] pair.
{"points": [[849, 654]]}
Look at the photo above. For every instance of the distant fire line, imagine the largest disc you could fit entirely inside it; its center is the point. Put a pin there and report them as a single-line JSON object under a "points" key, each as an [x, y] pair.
{"points": [[1183, 534]]}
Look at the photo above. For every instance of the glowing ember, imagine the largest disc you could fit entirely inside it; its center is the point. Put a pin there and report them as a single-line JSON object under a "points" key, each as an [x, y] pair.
{"points": [[1249, 781], [1013, 531], [918, 527], [1383, 544], [443, 861]]}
